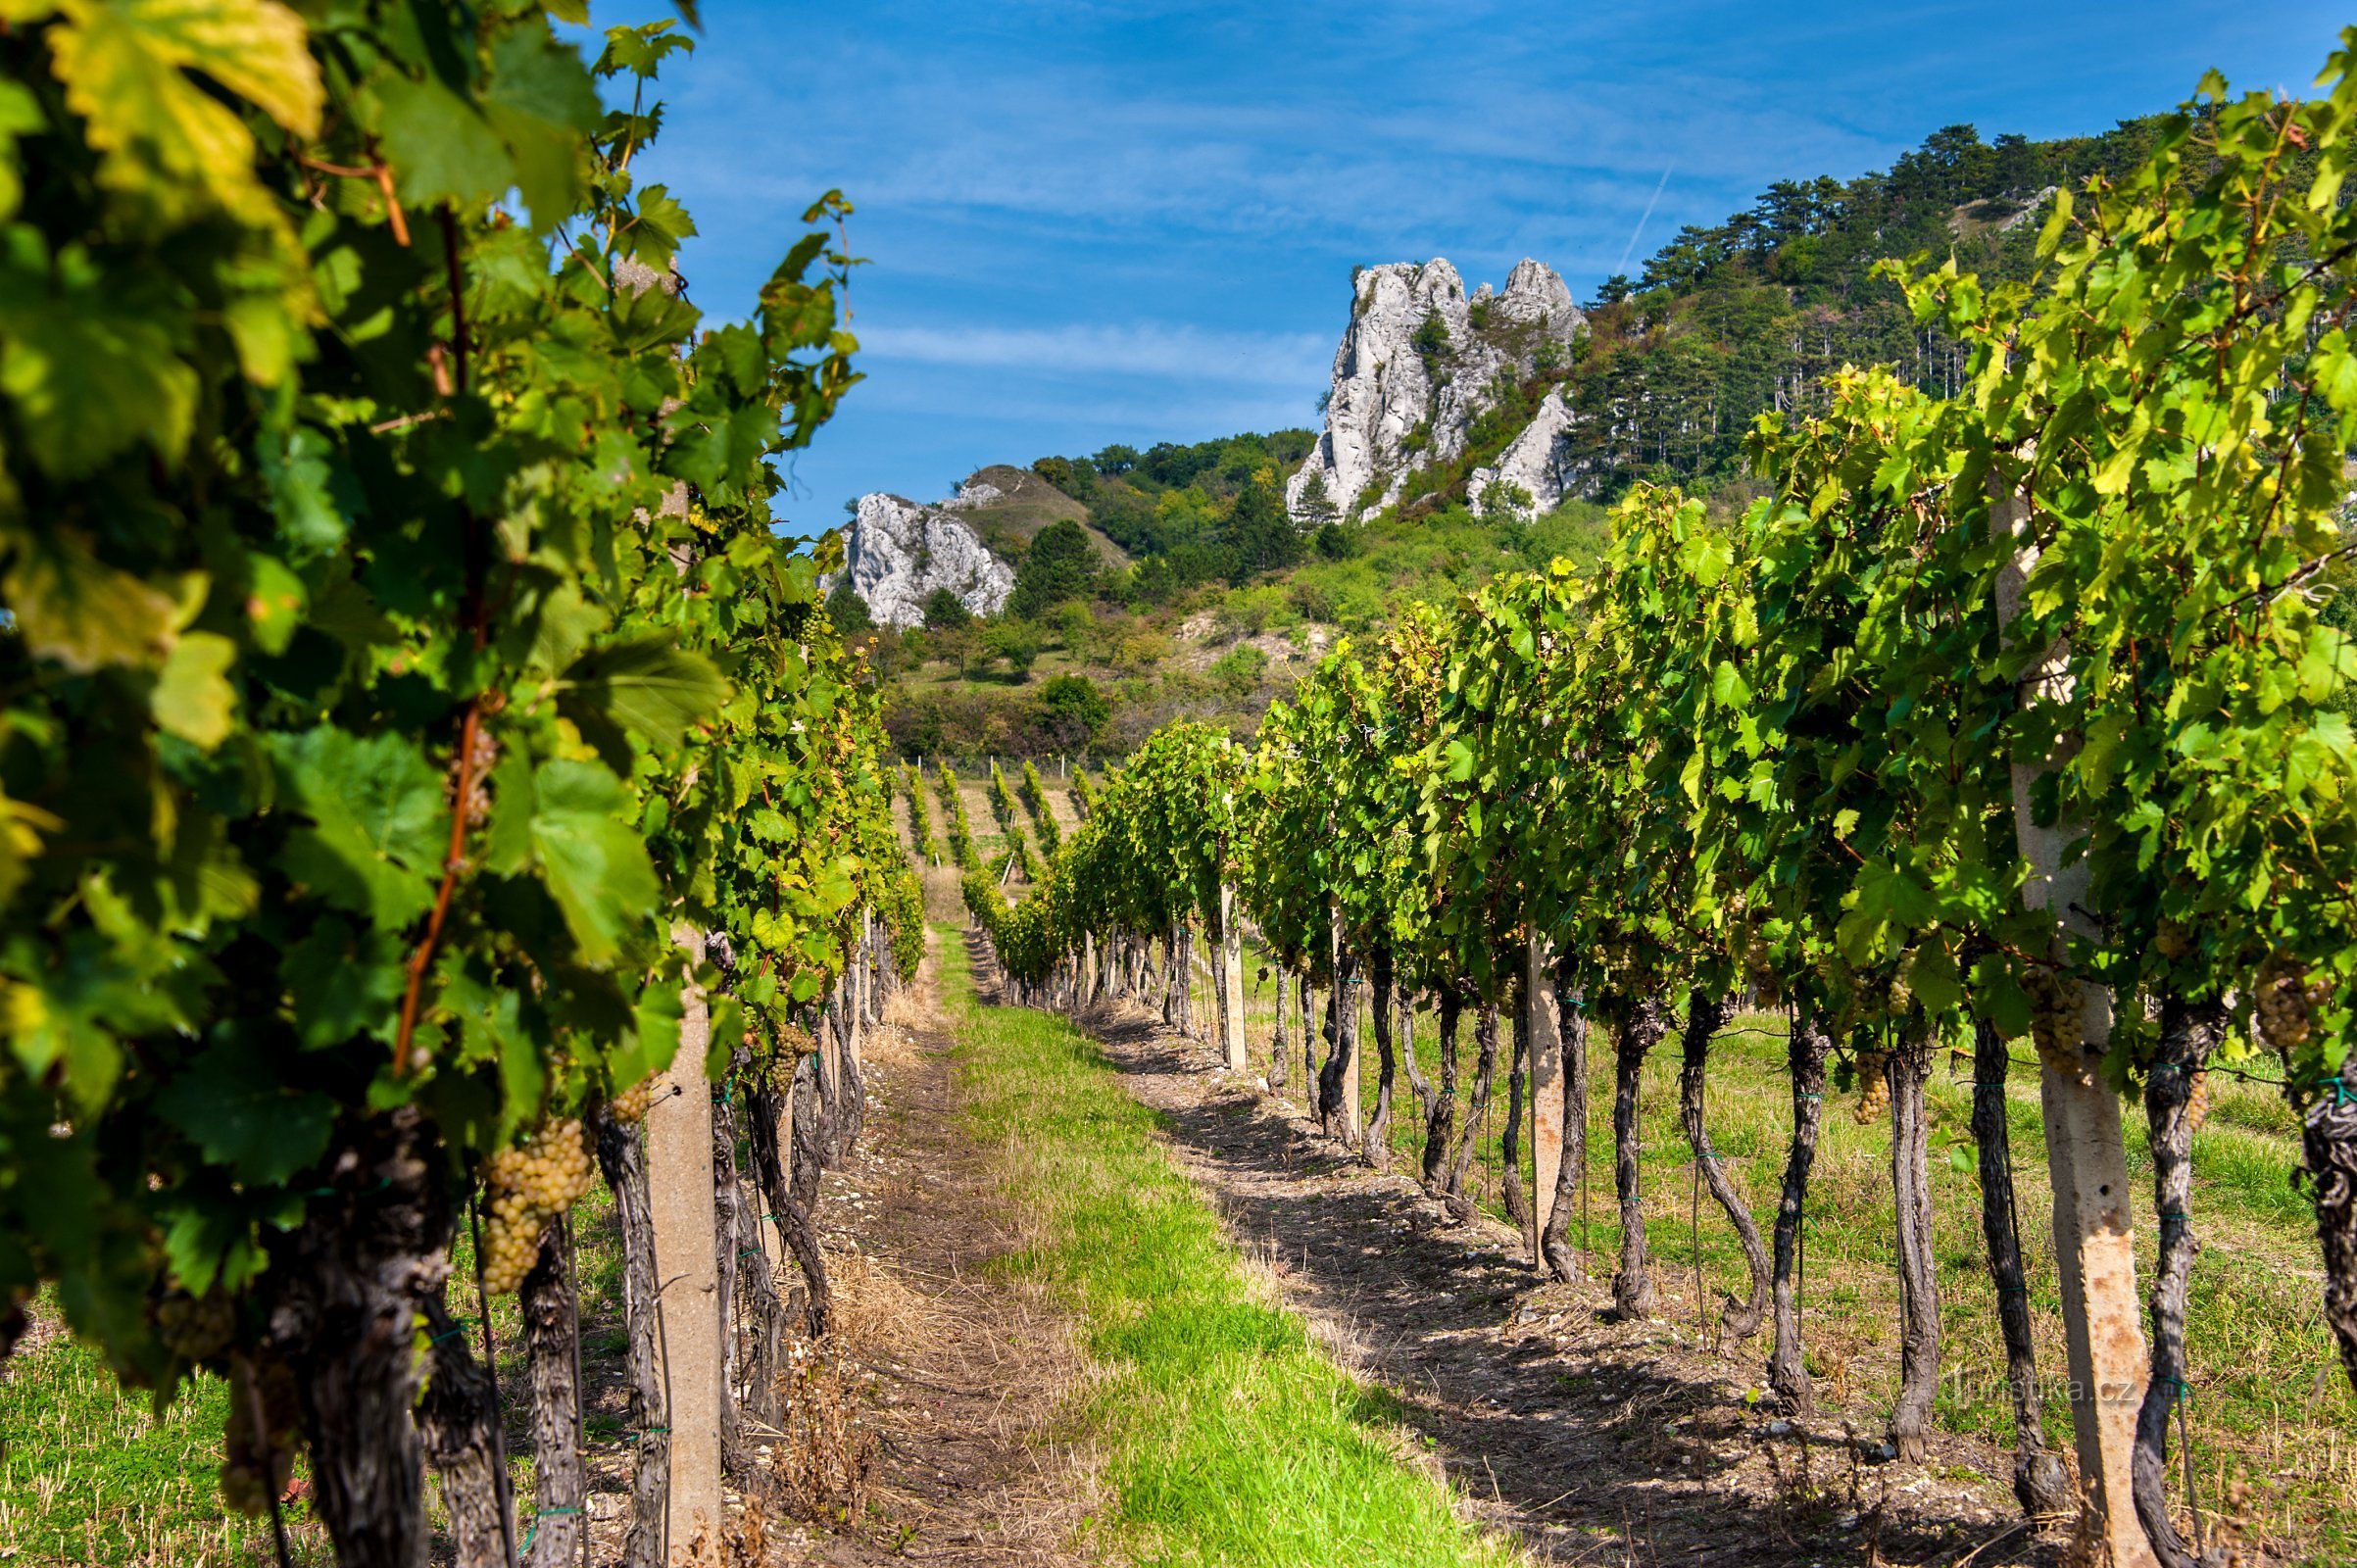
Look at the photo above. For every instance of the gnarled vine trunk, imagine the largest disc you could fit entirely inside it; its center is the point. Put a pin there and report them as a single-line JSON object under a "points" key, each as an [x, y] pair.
{"points": [[1277, 1058], [344, 1290], [1485, 1078], [1377, 1147], [1787, 1367], [1310, 1088], [1443, 1173], [2039, 1483], [458, 1420], [622, 1159], [2329, 1149], [726, 1200], [808, 1153], [553, 1349], [1907, 1069], [2189, 1032], [1563, 1260], [1633, 1279], [764, 1311], [1510, 1149], [769, 1109], [1705, 1019], [1338, 1080]]}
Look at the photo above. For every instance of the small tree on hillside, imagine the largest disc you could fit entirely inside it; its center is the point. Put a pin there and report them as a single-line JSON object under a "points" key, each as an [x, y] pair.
{"points": [[1059, 566], [1316, 509], [1072, 711], [848, 611], [945, 612], [1261, 537]]}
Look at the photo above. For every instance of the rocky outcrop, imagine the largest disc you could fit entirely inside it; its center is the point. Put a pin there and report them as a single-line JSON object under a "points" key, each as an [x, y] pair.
{"points": [[1418, 365], [1538, 463], [898, 553]]}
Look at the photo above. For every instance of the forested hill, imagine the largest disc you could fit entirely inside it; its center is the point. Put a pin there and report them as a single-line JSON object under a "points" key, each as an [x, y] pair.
{"points": [[1225, 600], [1751, 313]]}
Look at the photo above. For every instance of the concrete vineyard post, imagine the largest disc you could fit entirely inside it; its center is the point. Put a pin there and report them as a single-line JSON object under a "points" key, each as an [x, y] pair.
{"points": [[2087, 1157], [1547, 1083], [1231, 981], [679, 1182]]}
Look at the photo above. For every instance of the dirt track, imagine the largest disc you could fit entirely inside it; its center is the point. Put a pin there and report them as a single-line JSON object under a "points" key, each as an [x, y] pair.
{"points": [[954, 1375]]}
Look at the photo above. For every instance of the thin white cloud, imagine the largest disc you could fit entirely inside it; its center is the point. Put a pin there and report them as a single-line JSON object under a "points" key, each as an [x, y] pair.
{"points": [[1176, 353]]}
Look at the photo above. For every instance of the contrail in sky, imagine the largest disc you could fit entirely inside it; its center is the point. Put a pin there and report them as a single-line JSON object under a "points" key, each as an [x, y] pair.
{"points": [[1641, 222]]}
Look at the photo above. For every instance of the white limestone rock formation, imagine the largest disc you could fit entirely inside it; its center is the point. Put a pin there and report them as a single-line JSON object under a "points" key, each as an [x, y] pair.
{"points": [[1406, 390], [1538, 463], [898, 553]]}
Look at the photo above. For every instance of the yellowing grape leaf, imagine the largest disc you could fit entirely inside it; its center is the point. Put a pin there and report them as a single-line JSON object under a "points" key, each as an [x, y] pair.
{"points": [[126, 65], [76, 609], [193, 698]]}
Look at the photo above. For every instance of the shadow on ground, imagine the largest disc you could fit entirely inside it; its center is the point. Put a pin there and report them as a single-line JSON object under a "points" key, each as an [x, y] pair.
{"points": [[1620, 1444]]}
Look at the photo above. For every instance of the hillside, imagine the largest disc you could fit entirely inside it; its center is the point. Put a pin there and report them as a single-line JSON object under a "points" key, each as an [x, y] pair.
{"points": [[1473, 433]]}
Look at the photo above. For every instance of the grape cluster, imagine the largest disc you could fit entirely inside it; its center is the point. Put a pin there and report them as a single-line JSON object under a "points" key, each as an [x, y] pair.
{"points": [[2173, 939], [195, 1327], [2057, 1019], [478, 775], [2197, 1101], [1759, 967], [630, 1106], [255, 1466], [1874, 1088], [529, 1186], [2286, 999]]}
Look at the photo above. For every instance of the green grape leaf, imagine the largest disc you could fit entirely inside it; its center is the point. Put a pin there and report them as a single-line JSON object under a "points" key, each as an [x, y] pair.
{"points": [[380, 815], [20, 116], [440, 146], [647, 686], [90, 370], [233, 1103], [542, 104], [594, 864], [343, 983], [206, 1244], [73, 608], [654, 1035], [662, 224]]}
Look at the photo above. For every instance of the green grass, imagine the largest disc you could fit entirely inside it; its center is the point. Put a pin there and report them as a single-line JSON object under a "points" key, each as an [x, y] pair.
{"points": [[1228, 1437], [91, 1475]]}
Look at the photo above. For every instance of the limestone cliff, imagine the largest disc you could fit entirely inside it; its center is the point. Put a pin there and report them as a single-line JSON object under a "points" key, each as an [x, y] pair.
{"points": [[1537, 462], [898, 553], [1419, 363]]}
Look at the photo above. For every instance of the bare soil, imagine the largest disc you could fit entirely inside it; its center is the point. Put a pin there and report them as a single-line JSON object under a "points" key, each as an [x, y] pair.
{"points": [[1592, 1440], [956, 1371]]}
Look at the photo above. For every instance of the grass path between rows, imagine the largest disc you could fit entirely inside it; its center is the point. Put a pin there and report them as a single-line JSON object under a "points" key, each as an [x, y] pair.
{"points": [[1228, 1437]]}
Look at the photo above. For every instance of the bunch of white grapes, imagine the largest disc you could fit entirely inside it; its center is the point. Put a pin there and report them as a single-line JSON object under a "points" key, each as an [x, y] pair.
{"points": [[2286, 1000], [630, 1106], [257, 1462], [1874, 1087], [2057, 1019], [529, 1186], [195, 1327]]}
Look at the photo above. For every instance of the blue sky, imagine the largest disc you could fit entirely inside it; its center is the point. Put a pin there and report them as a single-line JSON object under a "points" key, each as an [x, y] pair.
{"points": [[1101, 222]]}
